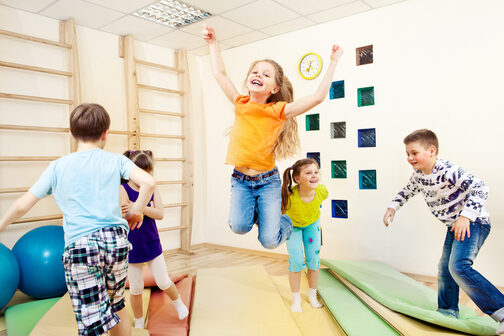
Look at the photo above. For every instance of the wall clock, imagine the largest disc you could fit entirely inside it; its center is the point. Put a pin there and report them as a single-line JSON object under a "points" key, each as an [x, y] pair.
{"points": [[310, 65]]}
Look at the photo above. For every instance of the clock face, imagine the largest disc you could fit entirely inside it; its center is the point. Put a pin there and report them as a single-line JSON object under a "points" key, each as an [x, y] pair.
{"points": [[310, 66]]}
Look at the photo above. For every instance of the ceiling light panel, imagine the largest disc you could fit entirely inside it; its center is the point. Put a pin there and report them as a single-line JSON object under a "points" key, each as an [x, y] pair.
{"points": [[172, 13]]}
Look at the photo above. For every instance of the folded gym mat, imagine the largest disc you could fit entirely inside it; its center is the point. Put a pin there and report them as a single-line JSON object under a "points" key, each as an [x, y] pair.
{"points": [[354, 317], [405, 295], [22, 318], [311, 322], [239, 301], [163, 318], [404, 324], [60, 320]]}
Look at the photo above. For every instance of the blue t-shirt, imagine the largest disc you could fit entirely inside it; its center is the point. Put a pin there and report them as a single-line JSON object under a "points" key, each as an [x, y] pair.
{"points": [[85, 186]]}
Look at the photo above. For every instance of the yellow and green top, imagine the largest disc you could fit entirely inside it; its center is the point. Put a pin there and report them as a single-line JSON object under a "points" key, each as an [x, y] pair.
{"points": [[302, 213]]}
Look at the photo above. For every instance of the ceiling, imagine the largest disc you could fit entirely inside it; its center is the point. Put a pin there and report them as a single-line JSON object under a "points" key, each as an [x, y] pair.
{"points": [[236, 22]]}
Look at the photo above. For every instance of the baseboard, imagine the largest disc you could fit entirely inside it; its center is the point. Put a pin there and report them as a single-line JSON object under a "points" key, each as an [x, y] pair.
{"points": [[280, 256]]}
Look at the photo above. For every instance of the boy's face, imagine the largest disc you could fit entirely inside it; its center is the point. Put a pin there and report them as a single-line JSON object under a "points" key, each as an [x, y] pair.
{"points": [[421, 157]]}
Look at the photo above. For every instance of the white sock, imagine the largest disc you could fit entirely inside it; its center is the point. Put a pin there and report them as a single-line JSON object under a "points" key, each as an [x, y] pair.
{"points": [[312, 297], [296, 302], [139, 322], [181, 308]]}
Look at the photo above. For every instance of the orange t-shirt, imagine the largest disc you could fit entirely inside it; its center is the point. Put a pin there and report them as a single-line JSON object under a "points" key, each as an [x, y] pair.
{"points": [[255, 130]]}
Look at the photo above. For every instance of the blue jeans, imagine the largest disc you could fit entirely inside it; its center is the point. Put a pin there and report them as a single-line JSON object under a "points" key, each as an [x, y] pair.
{"points": [[259, 202], [308, 237], [455, 270]]}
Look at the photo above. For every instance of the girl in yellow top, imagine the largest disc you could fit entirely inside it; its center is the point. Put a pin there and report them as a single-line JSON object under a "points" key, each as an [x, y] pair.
{"points": [[302, 204], [264, 130]]}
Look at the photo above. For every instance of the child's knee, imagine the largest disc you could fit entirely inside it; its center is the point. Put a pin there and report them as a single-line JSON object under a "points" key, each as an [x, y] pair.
{"points": [[459, 267], [136, 289], [164, 283], [269, 243], [239, 226], [296, 264], [313, 263]]}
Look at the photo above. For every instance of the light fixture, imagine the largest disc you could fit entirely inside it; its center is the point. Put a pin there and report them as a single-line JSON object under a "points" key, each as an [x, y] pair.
{"points": [[172, 13]]}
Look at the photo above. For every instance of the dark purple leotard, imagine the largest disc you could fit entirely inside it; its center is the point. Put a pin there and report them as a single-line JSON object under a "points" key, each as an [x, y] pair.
{"points": [[145, 240]]}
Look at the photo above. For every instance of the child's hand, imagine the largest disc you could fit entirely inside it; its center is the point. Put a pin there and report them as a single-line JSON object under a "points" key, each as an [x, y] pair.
{"points": [[134, 219], [208, 34], [336, 52], [461, 227], [389, 216], [125, 208]]}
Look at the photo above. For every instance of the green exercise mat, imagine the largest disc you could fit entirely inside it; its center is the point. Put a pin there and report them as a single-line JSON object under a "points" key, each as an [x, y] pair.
{"points": [[22, 318], [350, 313], [407, 296]]}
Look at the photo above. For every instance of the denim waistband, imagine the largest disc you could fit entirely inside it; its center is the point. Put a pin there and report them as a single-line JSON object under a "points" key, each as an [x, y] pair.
{"points": [[258, 177]]}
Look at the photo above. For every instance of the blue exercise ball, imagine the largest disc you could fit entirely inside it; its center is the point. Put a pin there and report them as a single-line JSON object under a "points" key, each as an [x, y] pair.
{"points": [[39, 253], [9, 276]]}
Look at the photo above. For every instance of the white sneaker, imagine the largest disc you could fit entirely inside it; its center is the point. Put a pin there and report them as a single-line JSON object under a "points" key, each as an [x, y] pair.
{"points": [[500, 330]]}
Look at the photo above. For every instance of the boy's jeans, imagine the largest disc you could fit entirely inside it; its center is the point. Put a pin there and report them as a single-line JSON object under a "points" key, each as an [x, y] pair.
{"points": [[258, 199], [455, 269]]}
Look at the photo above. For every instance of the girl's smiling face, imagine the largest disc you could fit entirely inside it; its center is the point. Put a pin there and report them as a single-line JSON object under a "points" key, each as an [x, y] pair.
{"points": [[308, 177], [261, 79]]}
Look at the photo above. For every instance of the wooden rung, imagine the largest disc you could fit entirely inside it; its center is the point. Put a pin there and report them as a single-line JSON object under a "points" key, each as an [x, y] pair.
{"points": [[28, 158], [34, 68], [174, 114], [35, 39], [12, 190], [122, 132], [174, 205], [35, 98], [157, 65], [153, 135], [172, 228], [157, 88], [33, 128], [169, 182], [169, 159], [49, 129], [37, 219]]}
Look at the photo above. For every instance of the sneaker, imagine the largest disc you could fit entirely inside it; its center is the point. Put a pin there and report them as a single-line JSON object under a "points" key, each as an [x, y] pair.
{"points": [[500, 330]]}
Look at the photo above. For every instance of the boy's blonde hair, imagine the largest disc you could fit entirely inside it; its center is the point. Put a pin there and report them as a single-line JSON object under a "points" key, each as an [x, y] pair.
{"points": [[425, 137], [287, 143]]}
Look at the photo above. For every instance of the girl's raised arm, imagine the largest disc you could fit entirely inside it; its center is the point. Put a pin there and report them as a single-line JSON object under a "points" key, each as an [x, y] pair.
{"points": [[304, 104], [218, 68]]}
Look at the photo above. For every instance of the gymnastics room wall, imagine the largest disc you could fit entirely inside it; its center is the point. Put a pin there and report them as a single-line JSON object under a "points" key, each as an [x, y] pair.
{"points": [[435, 66], [102, 81]]}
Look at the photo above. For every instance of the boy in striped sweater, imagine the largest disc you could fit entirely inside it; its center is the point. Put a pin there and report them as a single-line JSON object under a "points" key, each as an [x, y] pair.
{"points": [[457, 199]]}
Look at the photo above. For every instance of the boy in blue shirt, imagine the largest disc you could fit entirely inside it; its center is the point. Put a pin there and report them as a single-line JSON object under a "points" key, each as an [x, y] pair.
{"points": [[457, 199], [85, 185]]}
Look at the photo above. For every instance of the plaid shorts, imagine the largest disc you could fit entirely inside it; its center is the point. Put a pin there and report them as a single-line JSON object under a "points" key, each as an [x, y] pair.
{"points": [[96, 267]]}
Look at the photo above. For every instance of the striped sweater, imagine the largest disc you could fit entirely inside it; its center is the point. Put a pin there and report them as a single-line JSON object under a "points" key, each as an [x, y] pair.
{"points": [[449, 191]]}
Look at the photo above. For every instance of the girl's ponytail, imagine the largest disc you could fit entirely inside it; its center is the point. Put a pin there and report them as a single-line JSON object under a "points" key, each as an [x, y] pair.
{"points": [[286, 189], [128, 153], [288, 178]]}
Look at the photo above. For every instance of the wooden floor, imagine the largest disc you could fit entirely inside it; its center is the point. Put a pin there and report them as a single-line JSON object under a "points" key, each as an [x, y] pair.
{"points": [[207, 255]]}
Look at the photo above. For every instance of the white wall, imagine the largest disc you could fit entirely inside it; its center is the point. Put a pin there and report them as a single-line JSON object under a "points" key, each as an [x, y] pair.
{"points": [[102, 81], [436, 66]]}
